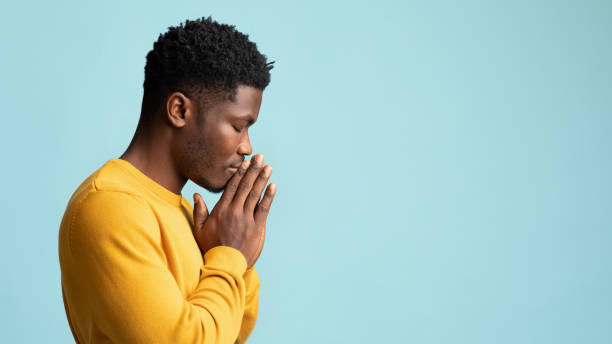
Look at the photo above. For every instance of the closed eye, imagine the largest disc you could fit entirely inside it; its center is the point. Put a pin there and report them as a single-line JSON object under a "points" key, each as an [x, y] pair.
{"points": [[237, 130]]}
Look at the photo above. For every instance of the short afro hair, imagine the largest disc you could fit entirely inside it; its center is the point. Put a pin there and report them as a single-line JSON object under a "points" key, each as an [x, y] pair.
{"points": [[203, 56]]}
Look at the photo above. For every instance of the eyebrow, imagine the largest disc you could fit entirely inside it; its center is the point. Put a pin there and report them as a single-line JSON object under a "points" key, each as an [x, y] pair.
{"points": [[248, 119]]}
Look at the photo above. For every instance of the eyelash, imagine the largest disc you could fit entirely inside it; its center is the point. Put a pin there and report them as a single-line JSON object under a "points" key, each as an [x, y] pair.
{"points": [[238, 131]]}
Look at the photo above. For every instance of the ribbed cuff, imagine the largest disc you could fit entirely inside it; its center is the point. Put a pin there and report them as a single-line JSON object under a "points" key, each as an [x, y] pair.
{"points": [[225, 258]]}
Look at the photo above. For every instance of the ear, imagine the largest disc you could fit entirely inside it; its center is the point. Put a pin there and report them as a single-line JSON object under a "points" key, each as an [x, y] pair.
{"points": [[178, 109]]}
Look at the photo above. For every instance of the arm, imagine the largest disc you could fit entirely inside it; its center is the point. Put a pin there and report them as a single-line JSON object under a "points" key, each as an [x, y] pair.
{"points": [[251, 307], [121, 279]]}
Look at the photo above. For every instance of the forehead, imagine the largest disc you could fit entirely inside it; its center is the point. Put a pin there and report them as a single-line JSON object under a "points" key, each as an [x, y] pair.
{"points": [[245, 105]]}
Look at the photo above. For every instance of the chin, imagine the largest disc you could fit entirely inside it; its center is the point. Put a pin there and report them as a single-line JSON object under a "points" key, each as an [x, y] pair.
{"points": [[210, 186]]}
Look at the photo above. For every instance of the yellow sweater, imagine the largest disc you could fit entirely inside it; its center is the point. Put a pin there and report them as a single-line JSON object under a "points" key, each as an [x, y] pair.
{"points": [[132, 271]]}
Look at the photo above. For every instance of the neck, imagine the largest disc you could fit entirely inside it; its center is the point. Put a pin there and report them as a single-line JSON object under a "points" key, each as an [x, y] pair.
{"points": [[154, 159]]}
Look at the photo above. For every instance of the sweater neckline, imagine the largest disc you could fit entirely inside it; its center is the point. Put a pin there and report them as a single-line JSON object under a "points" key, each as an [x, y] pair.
{"points": [[152, 185]]}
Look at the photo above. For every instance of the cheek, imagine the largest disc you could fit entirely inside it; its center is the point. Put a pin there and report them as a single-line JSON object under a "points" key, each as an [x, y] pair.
{"points": [[221, 148], [224, 142], [197, 155]]}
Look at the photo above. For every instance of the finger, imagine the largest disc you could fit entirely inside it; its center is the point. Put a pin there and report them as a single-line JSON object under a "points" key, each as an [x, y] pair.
{"points": [[200, 212], [261, 212], [258, 187], [246, 184], [232, 185]]}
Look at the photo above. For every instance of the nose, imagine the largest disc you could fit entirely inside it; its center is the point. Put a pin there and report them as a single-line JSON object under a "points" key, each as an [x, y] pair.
{"points": [[244, 147]]}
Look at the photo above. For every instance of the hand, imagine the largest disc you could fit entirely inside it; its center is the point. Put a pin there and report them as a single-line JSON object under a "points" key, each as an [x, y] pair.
{"points": [[239, 218]]}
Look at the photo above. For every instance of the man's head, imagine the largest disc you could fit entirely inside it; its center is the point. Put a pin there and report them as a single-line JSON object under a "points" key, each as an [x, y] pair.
{"points": [[203, 87]]}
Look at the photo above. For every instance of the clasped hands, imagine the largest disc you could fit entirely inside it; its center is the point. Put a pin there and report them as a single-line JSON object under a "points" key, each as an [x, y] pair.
{"points": [[238, 220]]}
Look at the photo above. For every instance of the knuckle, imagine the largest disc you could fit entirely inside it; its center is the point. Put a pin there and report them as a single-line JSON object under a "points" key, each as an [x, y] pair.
{"points": [[263, 207], [231, 187], [254, 194], [219, 214], [254, 168], [236, 214], [233, 217]]}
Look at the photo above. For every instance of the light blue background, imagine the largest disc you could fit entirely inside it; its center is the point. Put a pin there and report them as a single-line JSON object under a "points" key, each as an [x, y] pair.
{"points": [[444, 167]]}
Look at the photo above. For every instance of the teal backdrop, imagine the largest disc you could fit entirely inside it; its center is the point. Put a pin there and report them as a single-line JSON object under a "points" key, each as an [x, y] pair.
{"points": [[443, 167]]}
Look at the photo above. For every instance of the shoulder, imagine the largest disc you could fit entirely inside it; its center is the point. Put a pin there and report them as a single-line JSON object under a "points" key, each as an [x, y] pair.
{"points": [[109, 191], [100, 204], [109, 216]]}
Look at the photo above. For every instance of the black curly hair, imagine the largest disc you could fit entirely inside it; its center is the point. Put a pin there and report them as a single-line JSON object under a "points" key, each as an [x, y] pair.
{"points": [[203, 59]]}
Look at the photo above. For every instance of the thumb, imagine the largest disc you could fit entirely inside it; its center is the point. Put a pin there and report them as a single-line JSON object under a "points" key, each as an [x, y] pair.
{"points": [[200, 212]]}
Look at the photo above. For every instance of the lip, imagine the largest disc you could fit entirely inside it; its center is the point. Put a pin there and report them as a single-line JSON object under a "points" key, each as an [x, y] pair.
{"points": [[235, 167]]}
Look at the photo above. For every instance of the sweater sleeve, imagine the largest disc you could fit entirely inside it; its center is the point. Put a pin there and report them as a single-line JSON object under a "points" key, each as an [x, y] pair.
{"points": [[121, 280], [251, 307]]}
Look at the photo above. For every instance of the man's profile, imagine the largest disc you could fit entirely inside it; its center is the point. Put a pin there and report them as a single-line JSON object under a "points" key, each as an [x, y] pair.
{"points": [[139, 263]]}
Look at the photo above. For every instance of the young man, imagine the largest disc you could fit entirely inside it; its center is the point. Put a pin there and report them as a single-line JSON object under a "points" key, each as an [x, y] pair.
{"points": [[139, 263]]}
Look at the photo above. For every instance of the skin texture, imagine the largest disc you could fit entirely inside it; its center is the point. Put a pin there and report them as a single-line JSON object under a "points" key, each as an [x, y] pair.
{"points": [[185, 141]]}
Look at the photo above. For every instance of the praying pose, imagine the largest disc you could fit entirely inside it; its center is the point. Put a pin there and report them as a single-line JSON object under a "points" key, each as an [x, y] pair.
{"points": [[139, 263]]}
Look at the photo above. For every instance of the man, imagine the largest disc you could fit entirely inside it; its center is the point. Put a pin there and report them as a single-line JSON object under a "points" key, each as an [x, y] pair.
{"points": [[139, 263]]}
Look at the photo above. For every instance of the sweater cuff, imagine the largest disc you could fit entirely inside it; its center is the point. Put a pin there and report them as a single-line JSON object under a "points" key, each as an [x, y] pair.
{"points": [[225, 258]]}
